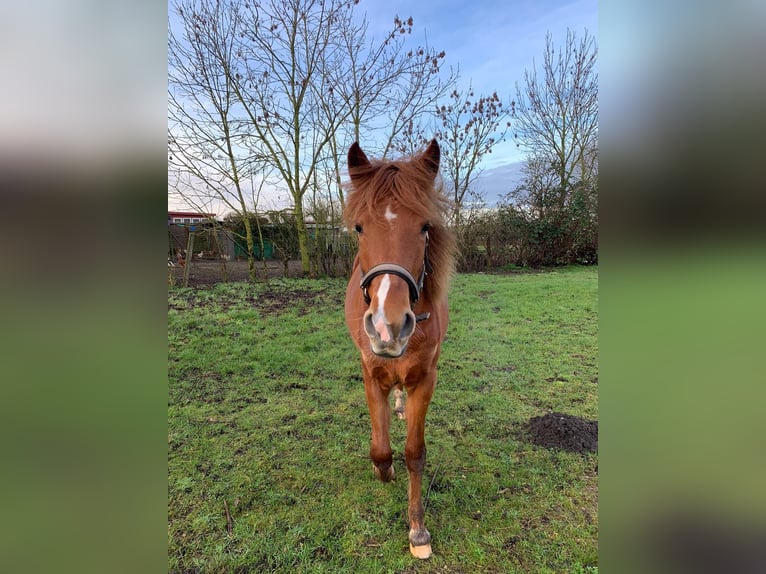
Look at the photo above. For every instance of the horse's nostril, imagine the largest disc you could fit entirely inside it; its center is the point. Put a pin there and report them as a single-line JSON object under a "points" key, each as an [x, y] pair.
{"points": [[369, 326], [376, 327], [408, 325]]}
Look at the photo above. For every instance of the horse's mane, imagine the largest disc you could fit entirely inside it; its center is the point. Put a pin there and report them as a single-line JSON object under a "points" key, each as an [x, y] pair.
{"points": [[411, 184]]}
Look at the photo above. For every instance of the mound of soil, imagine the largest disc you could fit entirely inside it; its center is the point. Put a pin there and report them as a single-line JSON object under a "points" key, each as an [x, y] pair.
{"points": [[567, 432]]}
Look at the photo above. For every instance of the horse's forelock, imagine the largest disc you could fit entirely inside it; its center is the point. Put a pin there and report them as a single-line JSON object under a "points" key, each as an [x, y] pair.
{"points": [[407, 183]]}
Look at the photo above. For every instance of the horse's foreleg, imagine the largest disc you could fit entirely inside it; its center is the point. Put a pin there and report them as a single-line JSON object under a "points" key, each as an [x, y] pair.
{"points": [[380, 416], [418, 399]]}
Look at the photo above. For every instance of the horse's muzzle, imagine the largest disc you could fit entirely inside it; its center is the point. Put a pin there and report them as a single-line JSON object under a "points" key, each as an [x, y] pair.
{"points": [[389, 340]]}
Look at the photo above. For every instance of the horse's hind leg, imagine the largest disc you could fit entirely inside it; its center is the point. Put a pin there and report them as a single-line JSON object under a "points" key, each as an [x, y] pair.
{"points": [[399, 403], [380, 417]]}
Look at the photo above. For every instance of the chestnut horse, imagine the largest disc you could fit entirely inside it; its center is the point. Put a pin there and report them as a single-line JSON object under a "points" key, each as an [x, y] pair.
{"points": [[396, 303]]}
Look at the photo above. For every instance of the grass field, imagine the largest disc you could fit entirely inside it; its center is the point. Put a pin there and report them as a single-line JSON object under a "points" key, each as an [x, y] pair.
{"points": [[268, 433]]}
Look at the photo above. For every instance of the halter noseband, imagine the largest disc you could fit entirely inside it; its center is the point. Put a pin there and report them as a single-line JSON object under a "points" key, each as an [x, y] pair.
{"points": [[415, 287]]}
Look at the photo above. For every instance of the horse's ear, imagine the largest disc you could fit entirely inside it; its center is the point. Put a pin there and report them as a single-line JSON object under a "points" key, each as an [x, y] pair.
{"points": [[431, 157], [356, 157]]}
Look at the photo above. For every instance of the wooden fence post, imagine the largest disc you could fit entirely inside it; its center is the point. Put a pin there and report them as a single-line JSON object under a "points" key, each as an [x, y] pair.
{"points": [[189, 257]]}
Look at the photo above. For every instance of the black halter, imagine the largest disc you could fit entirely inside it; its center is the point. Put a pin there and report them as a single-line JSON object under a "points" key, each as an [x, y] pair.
{"points": [[416, 287]]}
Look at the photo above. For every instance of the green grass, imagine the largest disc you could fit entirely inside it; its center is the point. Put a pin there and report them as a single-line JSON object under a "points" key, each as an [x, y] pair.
{"points": [[267, 422]]}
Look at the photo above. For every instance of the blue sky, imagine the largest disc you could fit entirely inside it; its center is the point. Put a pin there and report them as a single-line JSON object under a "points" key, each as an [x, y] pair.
{"points": [[492, 42]]}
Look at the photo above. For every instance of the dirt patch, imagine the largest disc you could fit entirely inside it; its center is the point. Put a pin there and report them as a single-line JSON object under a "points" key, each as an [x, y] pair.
{"points": [[276, 300], [210, 271], [567, 432]]}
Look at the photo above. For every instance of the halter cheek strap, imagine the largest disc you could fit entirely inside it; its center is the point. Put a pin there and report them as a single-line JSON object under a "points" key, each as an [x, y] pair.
{"points": [[393, 269], [415, 287]]}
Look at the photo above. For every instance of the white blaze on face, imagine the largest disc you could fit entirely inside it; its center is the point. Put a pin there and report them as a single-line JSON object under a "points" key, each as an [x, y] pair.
{"points": [[380, 314], [389, 215]]}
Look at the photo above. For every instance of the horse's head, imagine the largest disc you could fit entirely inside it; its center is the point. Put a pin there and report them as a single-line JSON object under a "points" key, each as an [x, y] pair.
{"points": [[393, 231]]}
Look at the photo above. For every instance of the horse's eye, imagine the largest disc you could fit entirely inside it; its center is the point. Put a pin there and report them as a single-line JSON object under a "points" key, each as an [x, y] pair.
{"points": [[358, 228], [426, 227]]}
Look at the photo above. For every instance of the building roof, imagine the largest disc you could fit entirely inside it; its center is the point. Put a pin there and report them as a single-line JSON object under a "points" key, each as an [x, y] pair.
{"points": [[191, 214]]}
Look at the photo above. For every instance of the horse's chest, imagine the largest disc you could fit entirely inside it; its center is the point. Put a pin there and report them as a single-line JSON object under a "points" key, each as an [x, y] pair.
{"points": [[407, 372]]}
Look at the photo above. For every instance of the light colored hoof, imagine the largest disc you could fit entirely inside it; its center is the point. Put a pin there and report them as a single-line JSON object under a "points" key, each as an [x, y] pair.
{"points": [[388, 477], [421, 552], [400, 415]]}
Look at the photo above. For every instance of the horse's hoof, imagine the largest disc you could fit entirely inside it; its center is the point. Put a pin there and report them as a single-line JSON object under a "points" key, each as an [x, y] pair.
{"points": [[384, 477], [420, 543], [400, 414], [421, 552]]}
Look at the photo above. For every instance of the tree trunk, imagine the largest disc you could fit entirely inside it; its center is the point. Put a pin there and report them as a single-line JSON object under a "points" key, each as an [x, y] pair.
{"points": [[263, 247], [250, 249], [303, 238], [188, 258]]}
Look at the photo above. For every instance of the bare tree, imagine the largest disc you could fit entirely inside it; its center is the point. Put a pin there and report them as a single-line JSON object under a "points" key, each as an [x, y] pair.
{"points": [[384, 87], [261, 68], [469, 128], [294, 73], [209, 152], [556, 113], [556, 123], [282, 72]]}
